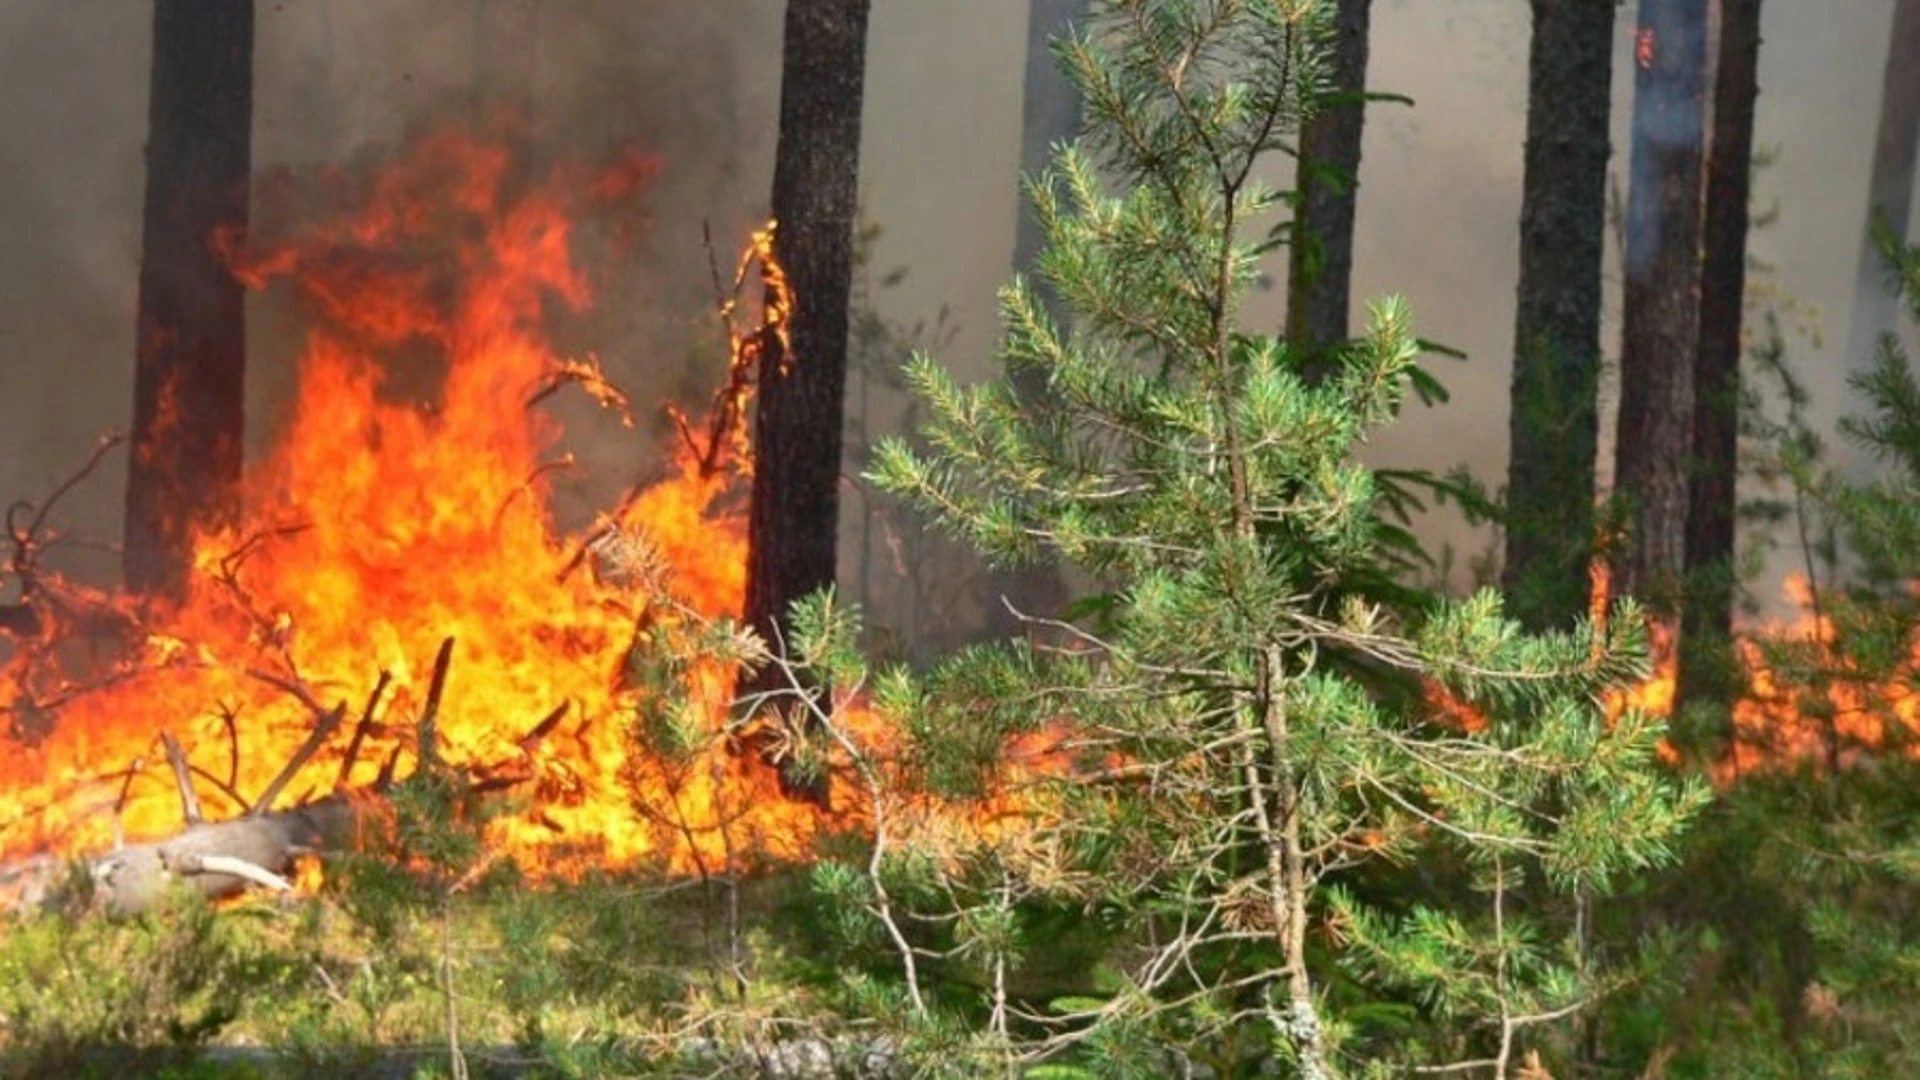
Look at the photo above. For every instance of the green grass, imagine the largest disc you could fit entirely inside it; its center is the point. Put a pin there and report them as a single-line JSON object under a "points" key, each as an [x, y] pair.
{"points": [[606, 975]]}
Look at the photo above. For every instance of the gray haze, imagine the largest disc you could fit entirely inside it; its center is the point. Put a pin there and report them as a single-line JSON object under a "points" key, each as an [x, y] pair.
{"points": [[696, 82]]}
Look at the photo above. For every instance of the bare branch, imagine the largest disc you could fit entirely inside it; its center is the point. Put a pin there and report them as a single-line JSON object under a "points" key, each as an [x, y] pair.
{"points": [[428, 715], [189, 864], [317, 736], [361, 729], [183, 779]]}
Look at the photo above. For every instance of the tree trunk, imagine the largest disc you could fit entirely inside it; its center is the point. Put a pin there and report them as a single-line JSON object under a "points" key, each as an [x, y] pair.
{"points": [[1723, 287], [1890, 189], [801, 397], [189, 376], [134, 879], [1662, 297], [1320, 265], [1553, 419], [1050, 116]]}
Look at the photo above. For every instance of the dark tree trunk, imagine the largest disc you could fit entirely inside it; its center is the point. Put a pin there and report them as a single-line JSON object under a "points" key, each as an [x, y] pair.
{"points": [[1723, 287], [1553, 419], [1890, 189], [1662, 297], [189, 377], [797, 424], [1320, 266]]}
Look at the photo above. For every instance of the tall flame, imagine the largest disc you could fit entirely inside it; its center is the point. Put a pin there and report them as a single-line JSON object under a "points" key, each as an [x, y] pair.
{"points": [[381, 524]]}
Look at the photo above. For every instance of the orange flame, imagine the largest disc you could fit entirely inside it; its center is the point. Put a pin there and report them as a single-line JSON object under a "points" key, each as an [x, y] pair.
{"points": [[380, 525]]}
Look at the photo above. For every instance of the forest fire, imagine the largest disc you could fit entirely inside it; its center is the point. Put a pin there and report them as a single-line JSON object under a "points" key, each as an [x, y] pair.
{"points": [[1781, 721], [379, 528], [393, 575]]}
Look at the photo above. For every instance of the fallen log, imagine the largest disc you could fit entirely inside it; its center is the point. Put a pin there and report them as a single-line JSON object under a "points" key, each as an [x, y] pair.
{"points": [[218, 860]]}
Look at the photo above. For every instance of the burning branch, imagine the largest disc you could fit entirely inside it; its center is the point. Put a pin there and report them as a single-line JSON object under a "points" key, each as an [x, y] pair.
{"points": [[585, 374], [745, 348], [298, 761], [425, 739], [361, 730], [259, 846]]}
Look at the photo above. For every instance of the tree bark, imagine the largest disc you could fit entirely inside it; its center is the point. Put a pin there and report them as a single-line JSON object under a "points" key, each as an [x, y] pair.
{"points": [[1553, 418], [189, 376], [1890, 188], [1320, 262], [1662, 297], [1723, 286], [793, 523]]}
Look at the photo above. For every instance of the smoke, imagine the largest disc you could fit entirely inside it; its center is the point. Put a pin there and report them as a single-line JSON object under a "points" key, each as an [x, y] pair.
{"points": [[696, 84], [346, 85], [1668, 110]]}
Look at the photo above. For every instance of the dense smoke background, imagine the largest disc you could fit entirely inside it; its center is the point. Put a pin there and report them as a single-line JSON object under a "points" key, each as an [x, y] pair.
{"points": [[695, 82]]}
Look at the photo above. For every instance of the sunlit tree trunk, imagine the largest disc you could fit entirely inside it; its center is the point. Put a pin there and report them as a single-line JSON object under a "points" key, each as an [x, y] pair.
{"points": [[1662, 296], [190, 356], [1723, 286], [1553, 424], [801, 399], [1890, 187], [1327, 176]]}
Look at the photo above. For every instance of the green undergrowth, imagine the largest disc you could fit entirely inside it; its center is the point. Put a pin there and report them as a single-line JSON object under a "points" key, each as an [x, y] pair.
{"points": [[613, 975]]}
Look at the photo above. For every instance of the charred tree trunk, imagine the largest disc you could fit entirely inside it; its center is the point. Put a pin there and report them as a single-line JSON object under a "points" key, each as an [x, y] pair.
{"points": [[1320, 266], [1890, 189], [1716, 409], [1662, 297], [1553, 419], [793, 524], [189, 376]]}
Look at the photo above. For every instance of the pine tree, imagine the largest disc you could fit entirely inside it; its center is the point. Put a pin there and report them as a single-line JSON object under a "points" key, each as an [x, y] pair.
{"points": [[1816, 845], [1264, 728], [1050, 109]]}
